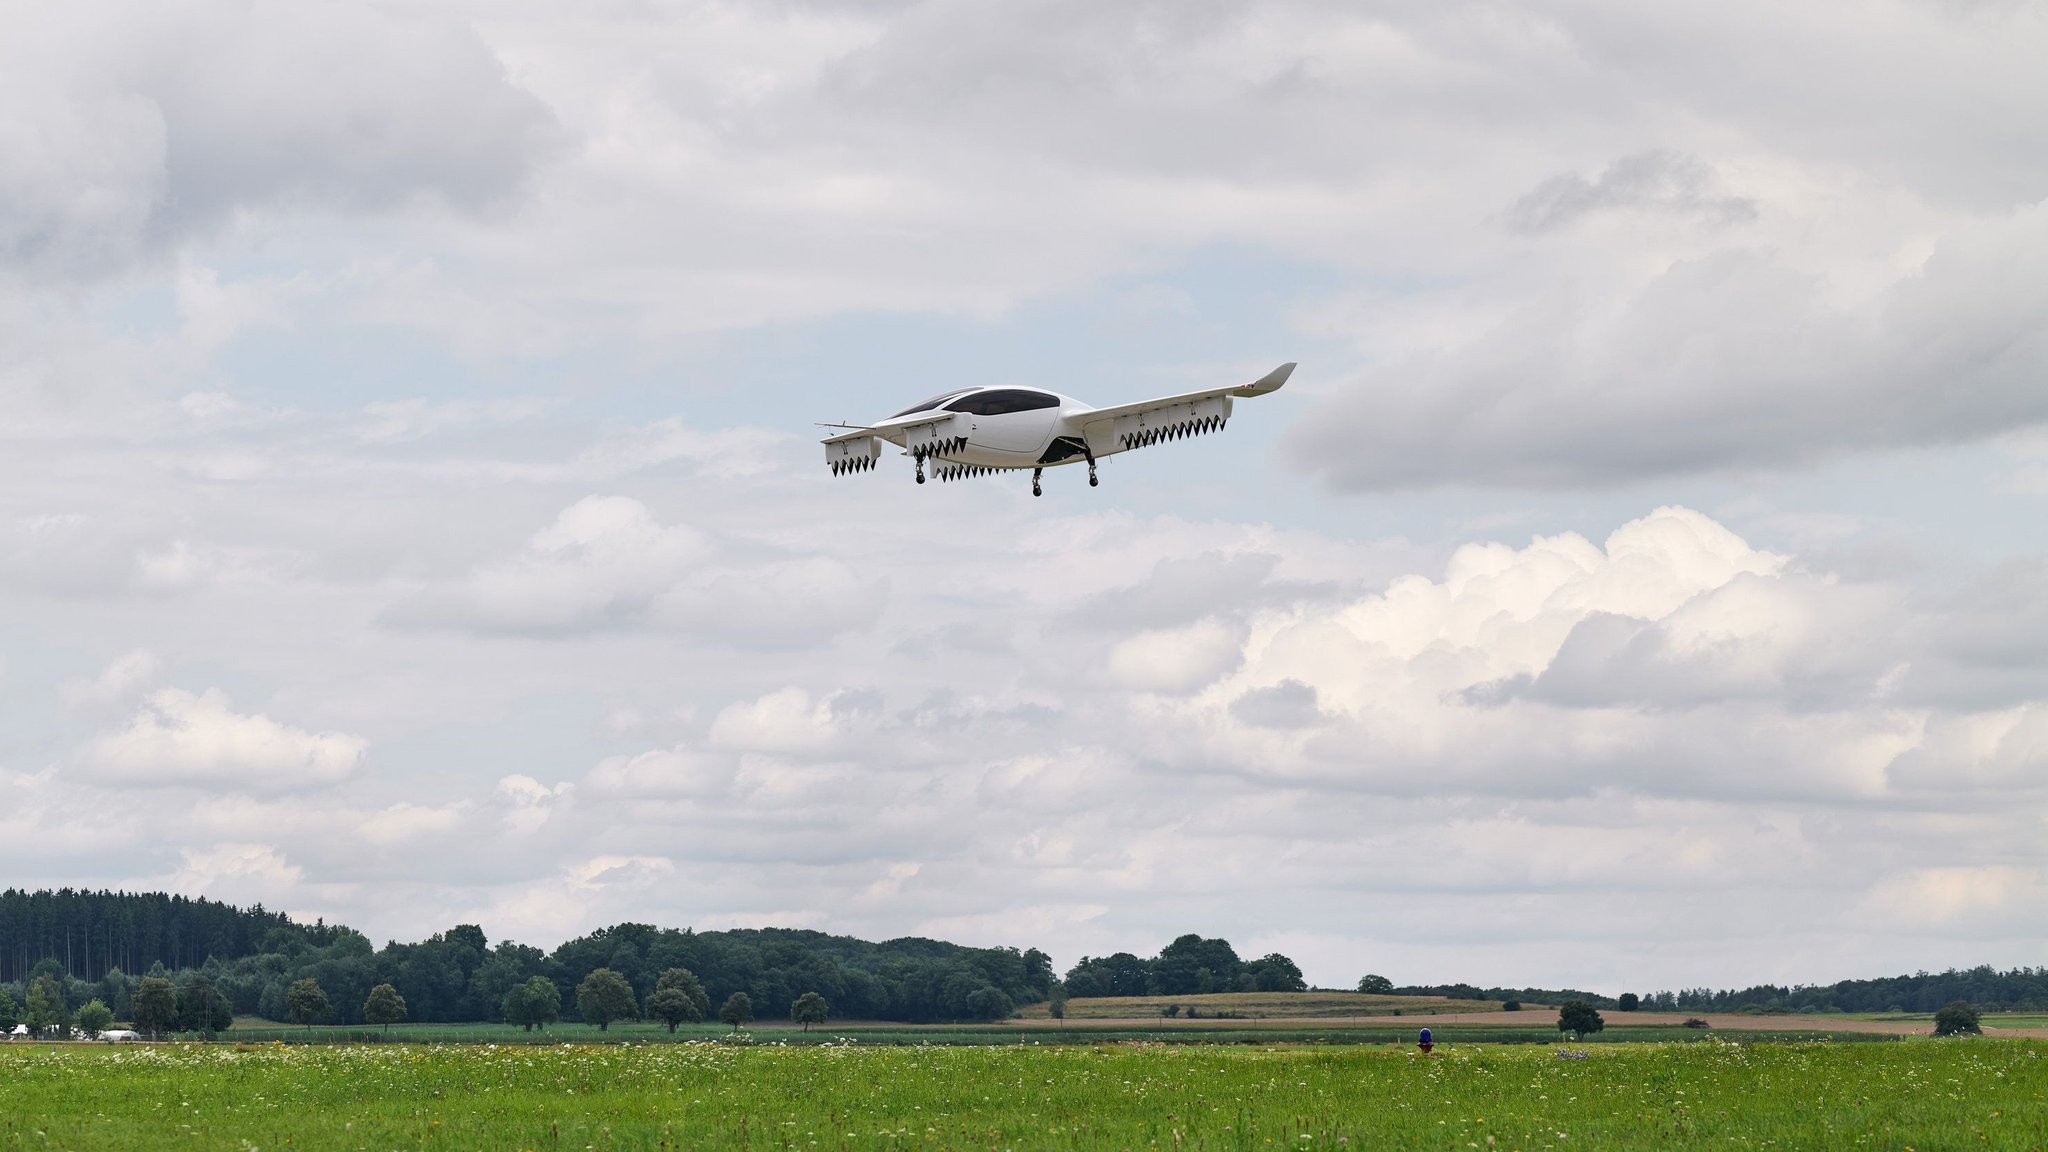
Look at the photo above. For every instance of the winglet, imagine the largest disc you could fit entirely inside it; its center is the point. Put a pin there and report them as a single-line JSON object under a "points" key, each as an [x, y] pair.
{"points": [[1270, 382]]}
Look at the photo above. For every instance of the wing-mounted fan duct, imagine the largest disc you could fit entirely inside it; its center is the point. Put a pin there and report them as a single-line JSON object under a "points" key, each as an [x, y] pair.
{"points": [[1172, 422], [937, 437], [964, 471], [852, 454]]}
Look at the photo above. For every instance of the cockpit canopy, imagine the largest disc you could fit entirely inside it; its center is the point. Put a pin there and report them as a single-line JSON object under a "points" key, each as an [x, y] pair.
{"points": [[986, 401]]}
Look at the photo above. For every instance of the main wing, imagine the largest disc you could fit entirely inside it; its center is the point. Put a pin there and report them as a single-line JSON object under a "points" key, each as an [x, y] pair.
{"points": [[1122, 427]]}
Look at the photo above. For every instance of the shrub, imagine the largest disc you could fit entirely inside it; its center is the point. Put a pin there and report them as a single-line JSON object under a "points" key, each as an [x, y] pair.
{"points": [[1696, 1022], [1957, 1018], [1511, 1006]]}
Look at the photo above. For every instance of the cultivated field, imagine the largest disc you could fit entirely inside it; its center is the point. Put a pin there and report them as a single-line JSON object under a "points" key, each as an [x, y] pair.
{"points": [[1918, 1094], [1261, 1006]]}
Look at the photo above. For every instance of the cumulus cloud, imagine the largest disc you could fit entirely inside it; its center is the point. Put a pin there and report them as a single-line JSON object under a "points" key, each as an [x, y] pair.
{"points": [[446, 393], [181, 738]]}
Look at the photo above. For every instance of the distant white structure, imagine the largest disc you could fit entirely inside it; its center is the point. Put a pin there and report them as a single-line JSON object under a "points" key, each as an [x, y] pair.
{"points": [[120, 1034], [19, 1030]]}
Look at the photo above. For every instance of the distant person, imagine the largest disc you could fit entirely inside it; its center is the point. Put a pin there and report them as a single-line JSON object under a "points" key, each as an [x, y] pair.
{"points": [[1423, 1042]]}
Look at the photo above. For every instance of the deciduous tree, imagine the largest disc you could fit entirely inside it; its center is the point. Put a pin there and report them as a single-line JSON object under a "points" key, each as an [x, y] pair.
{"points": [[989, 1004], [1628, 1002], [307, 1002], [1378, 985], [47, 1011], [808, 1009], [94, 1017], [677, 998], [1056, 1002], [10, 1012], [737, 1010], [536, 1002], [201, 1007], [1579, 1018], [604, 996], [384, 1007], [155, 1007]]}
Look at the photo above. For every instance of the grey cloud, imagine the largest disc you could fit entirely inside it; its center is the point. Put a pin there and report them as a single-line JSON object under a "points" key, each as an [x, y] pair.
{"points": [[1663, 181], [1288, 704], [179, 117], [1734, 361]]}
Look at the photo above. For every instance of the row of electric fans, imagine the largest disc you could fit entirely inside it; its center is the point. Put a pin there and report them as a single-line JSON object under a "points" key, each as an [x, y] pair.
{"points": [[1185, 428]]}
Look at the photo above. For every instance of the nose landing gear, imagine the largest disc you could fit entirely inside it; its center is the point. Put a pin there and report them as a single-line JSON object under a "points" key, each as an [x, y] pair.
{"points": [[1035, 489], [1092, 481]]}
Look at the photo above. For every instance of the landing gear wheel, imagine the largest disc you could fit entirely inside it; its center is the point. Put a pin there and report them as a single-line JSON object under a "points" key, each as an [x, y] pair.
{"points": [[1035, 489], [1092, 481], [920, 469]]}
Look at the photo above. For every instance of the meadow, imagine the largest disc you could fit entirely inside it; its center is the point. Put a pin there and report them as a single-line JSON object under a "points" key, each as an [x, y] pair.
{"points": [[1917, 1094]]}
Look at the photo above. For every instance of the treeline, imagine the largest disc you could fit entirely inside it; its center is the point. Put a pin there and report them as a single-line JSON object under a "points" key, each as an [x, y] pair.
{"points": [[1520, 995], [460, 976], [1189, 966], [93, 933], [2018, 989]]}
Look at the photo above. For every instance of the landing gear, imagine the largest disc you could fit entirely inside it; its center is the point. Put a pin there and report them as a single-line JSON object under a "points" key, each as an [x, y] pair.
{"points": [[920, 469], [1092, 481], [1035, 474]]}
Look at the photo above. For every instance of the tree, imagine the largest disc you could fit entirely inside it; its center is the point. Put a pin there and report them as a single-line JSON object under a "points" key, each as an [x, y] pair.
{"points": [[1276, 973], [307, 1002], [737, 1010], [94, 1017], [538, 1001], [1056, 1002], [201, 1007], [1628, 1002], [384, 1008], [1957, 1018], [808, 1009], [47, 1011], [604, 996], [677, 998], [10, 1012], [1378, 985], [989, 1003], [155, 1007], [685, 981], [1579, 1018]]}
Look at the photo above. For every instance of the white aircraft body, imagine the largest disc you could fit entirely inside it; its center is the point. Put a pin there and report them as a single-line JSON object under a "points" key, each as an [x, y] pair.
{"points": [[976, 431]]}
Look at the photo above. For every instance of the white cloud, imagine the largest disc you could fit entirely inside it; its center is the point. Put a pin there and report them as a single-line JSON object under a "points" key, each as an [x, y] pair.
{"points": [[452, 398], [123, 676], [180, 738]]}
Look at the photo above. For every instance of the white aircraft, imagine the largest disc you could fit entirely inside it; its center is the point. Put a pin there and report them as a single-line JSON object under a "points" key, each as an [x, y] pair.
{"points": [[976, 431]]}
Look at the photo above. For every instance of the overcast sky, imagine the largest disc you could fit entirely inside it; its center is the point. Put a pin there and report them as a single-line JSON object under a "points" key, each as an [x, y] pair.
{"points": [[410, 509]]}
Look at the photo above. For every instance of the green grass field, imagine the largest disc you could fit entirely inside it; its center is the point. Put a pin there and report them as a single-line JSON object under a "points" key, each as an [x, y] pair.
{"points": [[1914, 1094]]}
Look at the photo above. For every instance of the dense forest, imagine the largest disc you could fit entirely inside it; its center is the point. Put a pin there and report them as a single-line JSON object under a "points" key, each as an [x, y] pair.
{"points": [[93, 933], [98, 944], [1189, 966]]}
